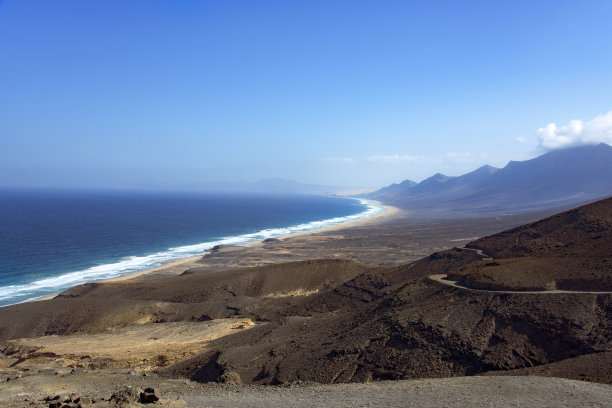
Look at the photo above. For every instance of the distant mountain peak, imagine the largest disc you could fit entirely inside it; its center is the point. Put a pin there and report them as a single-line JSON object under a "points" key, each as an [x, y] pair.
{"points": [[602, 147], [404, 184], [486, 169], [408, 183], [438, 177], [559, 177]]}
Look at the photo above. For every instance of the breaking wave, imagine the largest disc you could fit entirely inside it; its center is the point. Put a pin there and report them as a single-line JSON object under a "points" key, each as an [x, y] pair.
{"points": [[24, 292]]}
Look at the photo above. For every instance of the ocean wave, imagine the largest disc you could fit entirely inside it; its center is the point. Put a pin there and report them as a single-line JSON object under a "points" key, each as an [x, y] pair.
{"points": [[21, 293]]}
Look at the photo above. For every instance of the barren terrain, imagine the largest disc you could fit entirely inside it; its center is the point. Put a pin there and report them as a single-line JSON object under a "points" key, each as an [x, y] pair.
{"points": [[30, 391], [373, 318]]}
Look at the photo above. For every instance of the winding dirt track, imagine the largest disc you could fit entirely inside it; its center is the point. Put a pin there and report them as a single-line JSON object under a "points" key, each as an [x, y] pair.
{"points": [[478, 251], [442, 278]]}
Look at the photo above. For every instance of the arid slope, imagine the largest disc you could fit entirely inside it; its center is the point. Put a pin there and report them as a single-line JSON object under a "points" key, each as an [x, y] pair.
{"points": [[333, 321], [571, 250]]}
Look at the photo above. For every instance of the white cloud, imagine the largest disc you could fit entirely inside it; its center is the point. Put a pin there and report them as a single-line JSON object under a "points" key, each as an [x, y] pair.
{"points": [[440, 162], [343, 160], [577, 132], [449, 157], [521, 139], [399, 158]]}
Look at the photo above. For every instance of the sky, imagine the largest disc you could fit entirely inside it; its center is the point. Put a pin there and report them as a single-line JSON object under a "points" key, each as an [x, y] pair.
{"points": [[176, 94]]}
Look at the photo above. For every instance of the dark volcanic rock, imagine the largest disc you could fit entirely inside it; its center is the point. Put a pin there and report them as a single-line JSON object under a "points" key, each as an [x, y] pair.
{"points": [[149, 396], [418, 330], [591, 367], [568, 251], [398, 324], [271, 241], [126, 395]]}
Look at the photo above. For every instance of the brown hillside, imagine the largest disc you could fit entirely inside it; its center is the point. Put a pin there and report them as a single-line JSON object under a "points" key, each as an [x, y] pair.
{"points": [[569, 251], [421, 329], [335, 321], [398, 324], [191, 297]]}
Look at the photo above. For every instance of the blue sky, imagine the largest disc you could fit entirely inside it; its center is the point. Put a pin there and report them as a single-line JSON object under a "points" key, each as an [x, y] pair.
{"points": [[160, 94]]}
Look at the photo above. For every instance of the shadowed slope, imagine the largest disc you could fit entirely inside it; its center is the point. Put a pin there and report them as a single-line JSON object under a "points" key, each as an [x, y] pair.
{"points": [[419, 330], [396, 323], [570, 251], [339, 321]]}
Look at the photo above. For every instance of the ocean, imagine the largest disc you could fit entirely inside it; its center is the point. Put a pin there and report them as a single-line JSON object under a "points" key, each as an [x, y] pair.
{"points": [[53, 240]]}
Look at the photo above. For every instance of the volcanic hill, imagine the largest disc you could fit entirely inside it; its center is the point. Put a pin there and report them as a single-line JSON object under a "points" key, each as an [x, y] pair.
{"points": [[334, 321]]}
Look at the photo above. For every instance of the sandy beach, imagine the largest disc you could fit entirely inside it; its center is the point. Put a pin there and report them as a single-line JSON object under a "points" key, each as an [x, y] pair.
{"points": [[372, 241], [178, 266]]}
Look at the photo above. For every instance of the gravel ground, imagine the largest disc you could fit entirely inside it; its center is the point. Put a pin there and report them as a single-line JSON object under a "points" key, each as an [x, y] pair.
{"points": [[456, 392], [29, 391]]}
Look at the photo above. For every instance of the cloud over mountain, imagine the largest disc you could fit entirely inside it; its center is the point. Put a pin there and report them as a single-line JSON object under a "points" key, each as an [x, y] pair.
{"points": [[577, 133], [556, 178]]}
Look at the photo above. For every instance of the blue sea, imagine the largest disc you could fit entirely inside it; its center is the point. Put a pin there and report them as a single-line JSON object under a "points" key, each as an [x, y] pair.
{"points": [[53, 240]]}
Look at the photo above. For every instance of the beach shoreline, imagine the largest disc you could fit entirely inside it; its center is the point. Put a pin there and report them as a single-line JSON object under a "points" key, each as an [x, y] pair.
{"points": [[294, 301], [179, 265], [184, 263]]}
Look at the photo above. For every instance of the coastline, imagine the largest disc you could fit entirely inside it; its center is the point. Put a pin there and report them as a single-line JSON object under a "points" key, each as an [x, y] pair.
{"points": [[179, 265], [173, 266], [347, 280], [389, 212]]}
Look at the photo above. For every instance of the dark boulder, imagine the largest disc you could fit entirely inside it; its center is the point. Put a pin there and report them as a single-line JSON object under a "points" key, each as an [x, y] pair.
{"points": [[149, 396]]}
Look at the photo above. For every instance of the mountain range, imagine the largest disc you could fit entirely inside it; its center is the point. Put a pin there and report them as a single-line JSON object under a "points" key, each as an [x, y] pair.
{"points": [[557, 178]]}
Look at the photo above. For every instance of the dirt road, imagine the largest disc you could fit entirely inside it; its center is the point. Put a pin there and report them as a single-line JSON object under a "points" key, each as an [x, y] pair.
{"points": [[441, 278]]}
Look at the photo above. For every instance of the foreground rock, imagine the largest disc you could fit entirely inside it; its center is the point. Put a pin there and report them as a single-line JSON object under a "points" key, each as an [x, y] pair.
{"points": [[451, 392], [149, 396], [125, 395]]}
